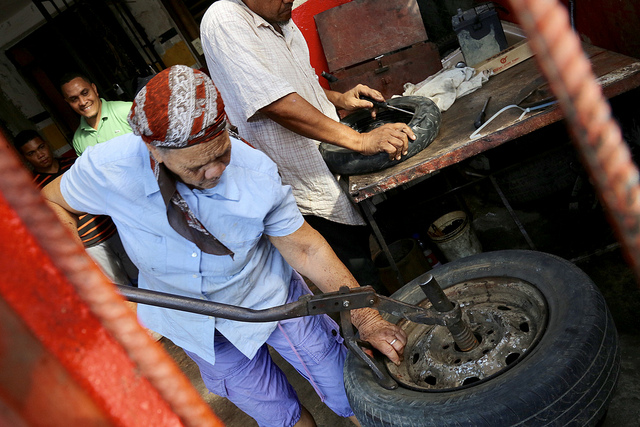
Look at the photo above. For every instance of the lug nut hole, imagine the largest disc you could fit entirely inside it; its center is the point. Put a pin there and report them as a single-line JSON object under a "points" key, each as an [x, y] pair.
{"points": [[512, 358]]}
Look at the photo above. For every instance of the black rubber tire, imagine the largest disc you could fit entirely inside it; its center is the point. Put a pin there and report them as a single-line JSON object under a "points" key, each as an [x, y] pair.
{"points": [[425, 123], [567, 379]]}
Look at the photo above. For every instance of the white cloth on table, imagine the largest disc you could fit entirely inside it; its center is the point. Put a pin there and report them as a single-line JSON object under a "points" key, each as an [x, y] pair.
{"points": [[447, 85]]}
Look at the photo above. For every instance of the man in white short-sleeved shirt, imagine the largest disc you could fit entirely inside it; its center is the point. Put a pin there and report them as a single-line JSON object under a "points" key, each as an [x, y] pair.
{"points": [[259, 60]]}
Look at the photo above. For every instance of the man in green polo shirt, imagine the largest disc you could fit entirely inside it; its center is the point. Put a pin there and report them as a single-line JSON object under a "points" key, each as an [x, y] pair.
{"points": [[100, 120]]}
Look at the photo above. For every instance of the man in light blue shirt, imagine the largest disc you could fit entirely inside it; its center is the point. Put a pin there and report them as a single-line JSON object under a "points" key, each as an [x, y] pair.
{"points": [[204, 215]]}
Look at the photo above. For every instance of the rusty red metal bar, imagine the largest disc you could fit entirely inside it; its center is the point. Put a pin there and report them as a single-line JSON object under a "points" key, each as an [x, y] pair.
{"points": [[71, 351], [596, 135]]}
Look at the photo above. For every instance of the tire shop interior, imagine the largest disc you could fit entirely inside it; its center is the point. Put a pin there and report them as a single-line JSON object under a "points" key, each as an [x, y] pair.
{"points": [[485, 179]]}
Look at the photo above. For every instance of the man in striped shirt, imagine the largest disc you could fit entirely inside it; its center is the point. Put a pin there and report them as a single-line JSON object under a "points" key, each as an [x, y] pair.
{"points": [[97, 232]]}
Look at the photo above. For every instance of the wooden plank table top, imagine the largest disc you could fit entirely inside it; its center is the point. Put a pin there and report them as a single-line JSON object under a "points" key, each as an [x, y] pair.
{"points": [[616, 73]]}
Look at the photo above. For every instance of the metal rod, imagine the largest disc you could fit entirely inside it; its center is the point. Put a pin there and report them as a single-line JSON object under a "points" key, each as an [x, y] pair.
{"points": [[367, 207], [308, 305], [399, 109], [436, 295], [461, 332], [210, 308], [512, 213]]}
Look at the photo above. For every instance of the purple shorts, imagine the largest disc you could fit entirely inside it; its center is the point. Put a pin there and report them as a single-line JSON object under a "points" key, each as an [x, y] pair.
{"points": [[312, 345]]}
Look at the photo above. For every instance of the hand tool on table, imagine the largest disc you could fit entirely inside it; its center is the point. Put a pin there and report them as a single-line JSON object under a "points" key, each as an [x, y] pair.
{"points": [[443, 312], [535, 96], [383, 104], [480, 120], [536, 93]]}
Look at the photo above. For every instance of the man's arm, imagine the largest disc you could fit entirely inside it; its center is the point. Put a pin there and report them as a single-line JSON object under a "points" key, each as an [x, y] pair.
{"points": [[66, 214], [350, 100], [307, 252], [296, 114]]}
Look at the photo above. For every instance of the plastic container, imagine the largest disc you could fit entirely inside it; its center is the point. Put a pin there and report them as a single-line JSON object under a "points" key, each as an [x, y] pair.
{"points": [[479, 32]]}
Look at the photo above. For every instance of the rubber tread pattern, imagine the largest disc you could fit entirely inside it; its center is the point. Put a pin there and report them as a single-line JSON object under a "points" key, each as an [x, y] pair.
{"points": [[567, 379], [425, 123]]}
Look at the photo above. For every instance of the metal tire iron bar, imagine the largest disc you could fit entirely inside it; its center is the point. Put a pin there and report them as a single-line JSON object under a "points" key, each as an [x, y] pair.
{"points": [[443, 312], [384, 104]]}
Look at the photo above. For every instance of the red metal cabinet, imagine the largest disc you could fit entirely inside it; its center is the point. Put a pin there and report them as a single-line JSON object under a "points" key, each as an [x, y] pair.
{"points": [[380, 43]]}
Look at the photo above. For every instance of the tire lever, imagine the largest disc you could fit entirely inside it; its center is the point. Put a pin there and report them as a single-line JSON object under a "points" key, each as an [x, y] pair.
{"points": [[480, 120], [384, 104]]}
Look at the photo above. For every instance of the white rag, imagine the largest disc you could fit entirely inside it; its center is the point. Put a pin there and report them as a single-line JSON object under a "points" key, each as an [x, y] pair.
{"points": [[447, 85]]}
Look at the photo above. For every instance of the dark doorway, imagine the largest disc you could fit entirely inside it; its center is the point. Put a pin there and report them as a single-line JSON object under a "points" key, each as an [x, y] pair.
{"points": [[86, 37]]}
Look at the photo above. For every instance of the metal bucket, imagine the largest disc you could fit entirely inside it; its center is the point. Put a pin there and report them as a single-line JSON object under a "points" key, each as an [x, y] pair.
{"points": [[453, 235], [409, 259]]}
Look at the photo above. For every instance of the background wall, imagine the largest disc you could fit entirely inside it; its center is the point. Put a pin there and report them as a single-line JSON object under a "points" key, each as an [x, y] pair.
{"points": [[611, 24], [21, 104]]}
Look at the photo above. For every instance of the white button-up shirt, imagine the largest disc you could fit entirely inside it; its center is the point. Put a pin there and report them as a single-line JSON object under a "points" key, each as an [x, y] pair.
{"points": [[253, 65]]}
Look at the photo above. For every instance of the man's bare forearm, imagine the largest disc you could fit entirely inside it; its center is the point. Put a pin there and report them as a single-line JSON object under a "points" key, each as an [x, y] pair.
{"points": [[310, 255], [68, 219], [296, 114], [65, 213]]}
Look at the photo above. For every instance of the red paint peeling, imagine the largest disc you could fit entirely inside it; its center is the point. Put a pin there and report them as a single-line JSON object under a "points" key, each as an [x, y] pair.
{"points": [[303, 18], [48, 305]]}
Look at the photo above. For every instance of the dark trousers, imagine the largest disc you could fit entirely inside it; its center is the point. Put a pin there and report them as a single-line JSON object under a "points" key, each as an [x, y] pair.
{"points": [[351, 245]]}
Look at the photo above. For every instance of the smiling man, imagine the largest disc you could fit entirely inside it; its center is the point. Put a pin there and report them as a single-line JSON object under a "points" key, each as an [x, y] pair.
{"points": [[205, 215], [100, 120]]}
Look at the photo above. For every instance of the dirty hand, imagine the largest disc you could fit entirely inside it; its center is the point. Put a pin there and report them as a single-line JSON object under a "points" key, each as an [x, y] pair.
{"points": [[388, 338], [391, 138], [351, 99]]}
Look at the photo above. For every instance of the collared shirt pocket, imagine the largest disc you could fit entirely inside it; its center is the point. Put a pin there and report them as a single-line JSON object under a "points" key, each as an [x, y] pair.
{"points": [[148, 251]]}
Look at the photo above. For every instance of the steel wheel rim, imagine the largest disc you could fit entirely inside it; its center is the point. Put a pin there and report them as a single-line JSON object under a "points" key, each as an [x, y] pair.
{"points": [[507, 315]]}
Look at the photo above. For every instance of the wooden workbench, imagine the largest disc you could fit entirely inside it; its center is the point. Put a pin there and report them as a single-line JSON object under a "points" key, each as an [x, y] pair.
{"points": [[617, 74]]}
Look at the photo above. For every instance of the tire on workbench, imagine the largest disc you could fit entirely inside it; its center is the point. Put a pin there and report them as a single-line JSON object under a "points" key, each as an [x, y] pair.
{"points": [[425, 123], [567, 378]]}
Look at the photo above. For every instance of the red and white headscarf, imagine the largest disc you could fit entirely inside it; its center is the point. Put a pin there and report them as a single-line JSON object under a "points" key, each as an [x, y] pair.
{"points": [[180, 107]]}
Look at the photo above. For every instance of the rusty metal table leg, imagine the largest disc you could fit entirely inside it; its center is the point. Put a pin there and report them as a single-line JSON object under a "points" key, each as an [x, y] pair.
{"points": [[512, 213], [368, 208]]}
